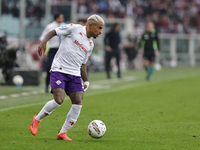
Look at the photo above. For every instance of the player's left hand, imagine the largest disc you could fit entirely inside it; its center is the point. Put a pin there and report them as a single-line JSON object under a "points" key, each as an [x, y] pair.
{"points": [[86, 85]]}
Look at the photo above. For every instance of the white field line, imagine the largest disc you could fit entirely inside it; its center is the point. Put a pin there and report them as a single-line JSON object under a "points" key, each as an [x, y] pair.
{"points": [[100, 86], [3, 97], [95, 85], [129, 78], [25, 105], [20, 106], [15, 95], [21, 94], [25, 93], [105, 84]]}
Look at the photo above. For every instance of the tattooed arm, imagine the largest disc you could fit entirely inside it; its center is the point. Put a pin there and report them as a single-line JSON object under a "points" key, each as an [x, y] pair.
{"points": [[84, 76], [84, 72], [42, 45]]}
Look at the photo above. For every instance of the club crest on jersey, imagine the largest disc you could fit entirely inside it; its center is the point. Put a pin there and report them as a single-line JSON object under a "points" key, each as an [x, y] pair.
{"points": [[58, 82]]}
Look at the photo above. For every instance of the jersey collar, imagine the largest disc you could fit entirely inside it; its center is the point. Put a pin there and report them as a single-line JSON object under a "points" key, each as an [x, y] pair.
{"points": [[84, 30]]}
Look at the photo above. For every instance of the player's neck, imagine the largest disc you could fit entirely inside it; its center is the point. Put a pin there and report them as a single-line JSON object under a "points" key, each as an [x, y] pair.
{"points": [[87, 33]]}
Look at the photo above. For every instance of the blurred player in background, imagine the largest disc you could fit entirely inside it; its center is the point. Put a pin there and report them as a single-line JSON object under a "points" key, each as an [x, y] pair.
{"points": [[130, 47], [69, 69], [112, 42], [53, 45], [150, 43]]}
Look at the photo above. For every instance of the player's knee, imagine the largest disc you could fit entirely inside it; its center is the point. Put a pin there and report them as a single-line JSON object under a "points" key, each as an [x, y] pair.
{"points": [[79, 102], [76, 97], [59, 100], [59, 95]]}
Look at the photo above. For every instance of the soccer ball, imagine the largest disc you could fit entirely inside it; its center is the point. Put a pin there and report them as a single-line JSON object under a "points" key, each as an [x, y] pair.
{"points": [[18, 80], [158, 66], [96, 129]]}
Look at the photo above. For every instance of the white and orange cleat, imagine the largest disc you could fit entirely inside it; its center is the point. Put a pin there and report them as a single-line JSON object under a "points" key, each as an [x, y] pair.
{"points": [[34, 125], [63, 136]]}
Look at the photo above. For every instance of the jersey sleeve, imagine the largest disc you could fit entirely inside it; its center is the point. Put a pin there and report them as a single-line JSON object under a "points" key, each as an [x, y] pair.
{"points": [[65, 29]]}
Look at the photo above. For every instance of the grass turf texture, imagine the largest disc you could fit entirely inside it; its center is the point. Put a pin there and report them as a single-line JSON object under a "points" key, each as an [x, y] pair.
{"points": [[162, 114]]}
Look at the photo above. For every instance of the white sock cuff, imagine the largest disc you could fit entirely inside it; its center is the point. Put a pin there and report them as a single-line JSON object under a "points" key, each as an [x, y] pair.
{"points": [[55, 103], [76, 108]]}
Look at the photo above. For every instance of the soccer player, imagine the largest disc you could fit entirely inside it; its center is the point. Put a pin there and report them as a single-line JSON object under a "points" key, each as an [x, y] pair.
{"points": [[68, 70], [112, 42], [150, 43], [53, 44]]}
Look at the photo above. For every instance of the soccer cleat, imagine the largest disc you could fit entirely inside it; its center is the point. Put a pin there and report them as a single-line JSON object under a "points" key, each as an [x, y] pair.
{"points": [[63, 136], [34, 125]]}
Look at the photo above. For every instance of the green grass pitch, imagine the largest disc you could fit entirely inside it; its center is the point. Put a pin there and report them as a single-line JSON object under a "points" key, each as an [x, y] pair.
{"points": [[162, 114]]}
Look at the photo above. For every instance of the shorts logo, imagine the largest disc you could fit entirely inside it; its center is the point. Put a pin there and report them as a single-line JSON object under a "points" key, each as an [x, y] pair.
{"points": [[58, 82]]}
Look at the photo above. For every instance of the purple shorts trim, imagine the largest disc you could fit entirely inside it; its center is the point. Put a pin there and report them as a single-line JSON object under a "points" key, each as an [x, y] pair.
{"points": [[69, 83]]}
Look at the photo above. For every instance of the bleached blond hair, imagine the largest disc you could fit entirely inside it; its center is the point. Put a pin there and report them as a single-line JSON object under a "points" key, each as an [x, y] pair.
{"points": [[95, 18]]}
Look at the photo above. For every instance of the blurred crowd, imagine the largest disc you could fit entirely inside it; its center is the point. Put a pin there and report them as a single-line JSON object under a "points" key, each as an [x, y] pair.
{"points": [[34, 10], [170, 16]]}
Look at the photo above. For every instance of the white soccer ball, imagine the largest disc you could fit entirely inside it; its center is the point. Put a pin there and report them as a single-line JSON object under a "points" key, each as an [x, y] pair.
{"points": [[96, 129], [158, 66], [18, 80]]}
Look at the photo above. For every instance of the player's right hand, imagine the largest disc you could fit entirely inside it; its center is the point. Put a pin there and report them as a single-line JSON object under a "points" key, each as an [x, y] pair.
{"points": [[41, 48], [86, 85]]}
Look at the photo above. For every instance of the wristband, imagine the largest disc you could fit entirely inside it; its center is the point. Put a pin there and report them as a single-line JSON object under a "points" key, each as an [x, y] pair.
{"points": [[87, 83]]}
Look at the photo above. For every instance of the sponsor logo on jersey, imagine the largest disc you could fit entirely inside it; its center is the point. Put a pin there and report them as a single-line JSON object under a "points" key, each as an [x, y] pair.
{"points": [[81, 46]]}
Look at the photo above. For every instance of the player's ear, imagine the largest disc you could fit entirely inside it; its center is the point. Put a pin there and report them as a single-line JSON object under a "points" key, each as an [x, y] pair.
{"points": [[90, 25]]}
